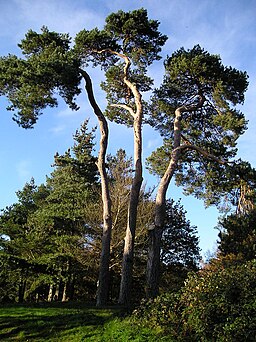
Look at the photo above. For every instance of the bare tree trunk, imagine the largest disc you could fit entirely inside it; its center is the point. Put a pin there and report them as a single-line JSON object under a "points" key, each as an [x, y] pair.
{"points": [[128, 253], [127, 265], [22, 288], [64, 293], [103, 282], [153, 263], [50, 293], [57, 291], [155, 235], [71, 287]]}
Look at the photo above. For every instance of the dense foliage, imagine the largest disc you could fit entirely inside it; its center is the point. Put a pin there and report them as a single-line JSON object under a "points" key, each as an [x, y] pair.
{"points": [[50, 238], [238, 235], [216, 304], [47, 233], [207, 93]]}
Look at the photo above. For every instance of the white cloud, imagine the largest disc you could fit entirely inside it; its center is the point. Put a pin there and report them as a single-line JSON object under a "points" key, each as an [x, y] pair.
{"points": [[23, 169], [67, 112], [153, 143], [58, 129]]}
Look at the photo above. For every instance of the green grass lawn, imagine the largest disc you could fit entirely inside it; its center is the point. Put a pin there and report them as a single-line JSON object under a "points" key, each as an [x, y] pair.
{"points": [[71, 322], [54, 322]]}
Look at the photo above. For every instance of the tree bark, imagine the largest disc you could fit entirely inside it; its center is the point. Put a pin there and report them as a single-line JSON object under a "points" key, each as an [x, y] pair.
{"points": [[103, 281], [21, 291], [127, 264], [153, 263], [50, 293], [128, 253], [56, 296], [64, 293], [155, 235]]}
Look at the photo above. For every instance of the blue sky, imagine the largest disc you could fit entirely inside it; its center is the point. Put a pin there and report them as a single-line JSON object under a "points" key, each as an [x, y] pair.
{"points": [[224, 27]]}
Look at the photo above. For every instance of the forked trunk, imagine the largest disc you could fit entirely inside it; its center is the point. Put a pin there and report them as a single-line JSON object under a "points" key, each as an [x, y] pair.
{"points": [[128, 253]]}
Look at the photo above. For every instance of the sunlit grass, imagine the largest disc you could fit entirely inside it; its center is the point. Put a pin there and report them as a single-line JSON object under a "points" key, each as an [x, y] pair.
{"points": [[62, 322], [70, 322]]}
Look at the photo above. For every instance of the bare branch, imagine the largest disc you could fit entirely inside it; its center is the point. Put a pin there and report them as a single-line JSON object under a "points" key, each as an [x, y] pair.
{"points": [[112, 52], [191, 107], [128, 108], [129, 84]]}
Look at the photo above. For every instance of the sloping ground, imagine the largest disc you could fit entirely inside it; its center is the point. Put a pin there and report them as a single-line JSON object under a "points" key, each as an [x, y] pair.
{"points": [[53, 322], [66, 322]]}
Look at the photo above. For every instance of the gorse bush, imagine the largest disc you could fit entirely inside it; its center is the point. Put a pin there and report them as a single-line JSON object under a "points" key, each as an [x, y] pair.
{"points": [[214, 305], [220, 305]]}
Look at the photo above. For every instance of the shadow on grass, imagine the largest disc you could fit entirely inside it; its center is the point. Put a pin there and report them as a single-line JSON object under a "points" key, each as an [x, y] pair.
{"points": [[44, 322]]}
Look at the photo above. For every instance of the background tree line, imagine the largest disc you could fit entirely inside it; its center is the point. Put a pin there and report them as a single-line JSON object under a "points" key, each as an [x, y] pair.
{"points": [[51, 238]]}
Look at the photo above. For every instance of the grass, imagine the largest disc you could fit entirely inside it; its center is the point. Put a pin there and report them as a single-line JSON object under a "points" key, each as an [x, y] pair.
{"points": [[66, 322], [54, 322]]}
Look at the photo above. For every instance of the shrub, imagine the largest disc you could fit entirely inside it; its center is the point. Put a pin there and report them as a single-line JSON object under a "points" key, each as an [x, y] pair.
{"points": [[216, 304], [220, 305], [162, 314]]}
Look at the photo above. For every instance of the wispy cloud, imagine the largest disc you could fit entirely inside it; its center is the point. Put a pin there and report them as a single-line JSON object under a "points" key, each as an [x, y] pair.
{"points": [[153, 143], [58, 129], [67, 112], [23, 169]]}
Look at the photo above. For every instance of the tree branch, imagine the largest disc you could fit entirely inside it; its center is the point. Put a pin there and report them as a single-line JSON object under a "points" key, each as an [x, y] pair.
{"points": [[201, 151], [129, 84], [128, 108], [112, 52], [191, 108]]}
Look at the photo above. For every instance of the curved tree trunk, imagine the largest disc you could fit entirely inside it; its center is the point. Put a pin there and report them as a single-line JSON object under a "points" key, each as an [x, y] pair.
{"points": [[103, 282], [155, 235], [128, 253], [127, 264]]}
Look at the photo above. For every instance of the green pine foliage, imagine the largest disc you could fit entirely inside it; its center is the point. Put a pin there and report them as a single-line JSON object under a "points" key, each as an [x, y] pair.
{"points": [[47, 235], [47, 69], [50, 239], [53, 232], [214, 126], [238, 235]]}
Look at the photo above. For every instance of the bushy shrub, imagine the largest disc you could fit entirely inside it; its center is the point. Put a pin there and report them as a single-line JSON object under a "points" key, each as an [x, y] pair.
{"points": [[163, 314], [220, 305], [216, 304]]}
